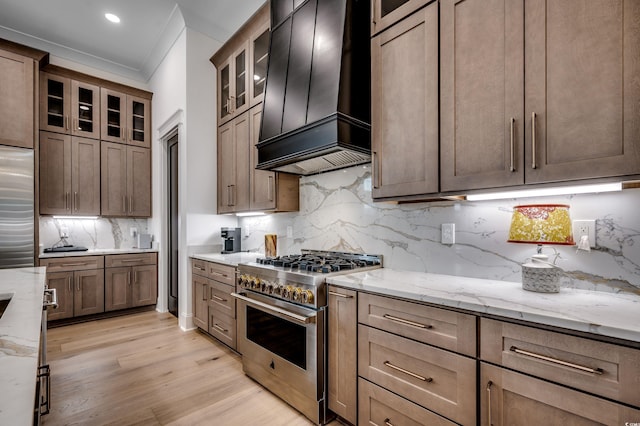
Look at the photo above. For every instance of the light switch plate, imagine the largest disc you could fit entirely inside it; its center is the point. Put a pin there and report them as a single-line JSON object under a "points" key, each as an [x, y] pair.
{"points": [[448, 233]]}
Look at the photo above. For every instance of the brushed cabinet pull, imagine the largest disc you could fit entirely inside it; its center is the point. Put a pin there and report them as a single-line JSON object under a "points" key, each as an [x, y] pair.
{"points": [[217, 327], [75, 125], [218, 298], [135, 277], [598, 371], [124, 203], [77, 283], [70, 285], [130, 204], [345, 296], [204, 292], [387, 421], [407, 322], [512, 167], [409, 373], [129, 278], [489, 402], [75, 200], [66, 122], [533, 141], [376, 170], [229, 195], [270, 189]]}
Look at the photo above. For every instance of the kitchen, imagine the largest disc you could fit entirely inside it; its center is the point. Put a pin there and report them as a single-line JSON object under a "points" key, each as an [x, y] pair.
{"points": [[336, 208]]}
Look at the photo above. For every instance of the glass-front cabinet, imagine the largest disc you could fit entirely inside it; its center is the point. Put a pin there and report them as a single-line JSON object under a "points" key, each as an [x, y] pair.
{"points": [[69, 106], [259, 52], [233, 85], [125, 119]]}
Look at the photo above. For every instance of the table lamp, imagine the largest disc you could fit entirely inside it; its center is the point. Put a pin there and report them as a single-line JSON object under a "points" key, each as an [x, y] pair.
{"points": [[541, 224]]}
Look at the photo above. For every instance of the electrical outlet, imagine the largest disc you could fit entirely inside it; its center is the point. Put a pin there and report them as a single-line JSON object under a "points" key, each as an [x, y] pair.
{"points": [[64, 232], [448, 233], [585, 227], [133, 232]]}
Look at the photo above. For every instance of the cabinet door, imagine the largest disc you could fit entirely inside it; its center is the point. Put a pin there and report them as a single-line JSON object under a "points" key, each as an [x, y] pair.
{"points": [[138, 121], [233, 165], [55, 103], [113, 173], [85, 176], [138, 182], [200, 302], [63, 283], [226, 168], [482, 92], [404, 101], [385, 13], [263, 182], [242, 141], [509, 398], [55, 173], [240, 86], [117, 288], [582, 66], [224, 92], [89, 292], [17, 115], [145, 285], [112, 116], [259, 54], [85, 110], [343, 353]]}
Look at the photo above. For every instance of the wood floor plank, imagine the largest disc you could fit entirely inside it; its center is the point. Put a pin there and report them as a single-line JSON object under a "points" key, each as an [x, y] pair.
{"points": [[143, 370]]}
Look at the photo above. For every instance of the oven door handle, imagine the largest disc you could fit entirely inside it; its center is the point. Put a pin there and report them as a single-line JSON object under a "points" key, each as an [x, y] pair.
{"points": [[298, 318]]}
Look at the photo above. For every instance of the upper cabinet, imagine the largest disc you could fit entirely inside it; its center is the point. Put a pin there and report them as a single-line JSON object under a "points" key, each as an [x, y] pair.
{"points": [[125, 118], [259, 54], [69, 106], [17, 92], [404, 106], [233, 85], [385, 13], [538, 92]]}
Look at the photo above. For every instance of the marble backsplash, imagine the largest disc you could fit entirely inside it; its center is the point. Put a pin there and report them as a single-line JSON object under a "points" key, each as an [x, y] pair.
{"points": [[337, 213], [102, 233]]}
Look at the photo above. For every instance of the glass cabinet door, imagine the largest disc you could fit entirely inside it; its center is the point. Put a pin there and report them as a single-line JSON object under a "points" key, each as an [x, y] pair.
{"points": [[259, 59], [224, 79], [85, 110], [55, 103], [113, 116], [240, 95], [138, 124]]}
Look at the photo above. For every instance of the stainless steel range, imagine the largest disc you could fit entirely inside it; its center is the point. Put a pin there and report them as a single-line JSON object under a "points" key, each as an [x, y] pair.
{"points": [[282, 323]]}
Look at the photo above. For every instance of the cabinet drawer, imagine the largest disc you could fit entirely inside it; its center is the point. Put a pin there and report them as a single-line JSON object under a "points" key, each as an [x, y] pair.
{"points": [[222, 327], [378, 406], [117, 260], [221, 299], [199, 267], [509, 398], [438, 327], [601, 368], [223, 273], [436, 379], [79, 263]]}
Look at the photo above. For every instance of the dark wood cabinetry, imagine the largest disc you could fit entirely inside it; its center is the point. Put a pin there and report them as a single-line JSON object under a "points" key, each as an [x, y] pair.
{"points": [[69, 175], [126, 180], [233, 160], [385, 13], [17, 100], [125, 118]]}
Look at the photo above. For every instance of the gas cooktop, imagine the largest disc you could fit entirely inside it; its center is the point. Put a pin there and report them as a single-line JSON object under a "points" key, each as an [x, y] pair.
{"points": [[322, 261]]}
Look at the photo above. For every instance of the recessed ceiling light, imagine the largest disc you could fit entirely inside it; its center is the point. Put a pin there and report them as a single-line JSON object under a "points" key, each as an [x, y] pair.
{"points": [[111, 17]]}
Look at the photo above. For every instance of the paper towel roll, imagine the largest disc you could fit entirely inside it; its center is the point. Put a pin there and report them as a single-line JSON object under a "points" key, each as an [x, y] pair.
{"points": [[270, 245]]}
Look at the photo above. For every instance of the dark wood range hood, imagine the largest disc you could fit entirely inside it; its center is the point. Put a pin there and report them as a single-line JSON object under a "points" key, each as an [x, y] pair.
{"points": [[316, 111]]}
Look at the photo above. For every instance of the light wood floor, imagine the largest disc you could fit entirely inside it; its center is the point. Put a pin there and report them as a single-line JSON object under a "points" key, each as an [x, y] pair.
{"points": [[141, 369]]}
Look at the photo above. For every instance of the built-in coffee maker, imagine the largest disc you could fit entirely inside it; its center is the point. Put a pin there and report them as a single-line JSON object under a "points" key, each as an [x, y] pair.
{"points": [[231, 237]]}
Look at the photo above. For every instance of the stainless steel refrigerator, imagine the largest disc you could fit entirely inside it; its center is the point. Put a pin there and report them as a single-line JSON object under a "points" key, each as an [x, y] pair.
{"points": [[16, 207]]}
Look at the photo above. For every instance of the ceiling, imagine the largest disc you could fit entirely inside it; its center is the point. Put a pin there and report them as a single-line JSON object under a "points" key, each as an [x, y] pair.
{"points": [[76, 30]]}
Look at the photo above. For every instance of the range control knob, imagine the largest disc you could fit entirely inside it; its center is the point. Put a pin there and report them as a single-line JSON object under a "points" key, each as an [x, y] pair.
{"points": [[297, 294], [307, 296], [256, 283], [243, 281], [267, 287], [278, 290], [287, 292]]}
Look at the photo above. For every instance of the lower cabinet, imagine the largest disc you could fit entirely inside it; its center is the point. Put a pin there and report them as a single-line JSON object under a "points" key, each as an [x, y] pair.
{"points": [[214, 309], [342, 358], [130, 286], [79, 284]]}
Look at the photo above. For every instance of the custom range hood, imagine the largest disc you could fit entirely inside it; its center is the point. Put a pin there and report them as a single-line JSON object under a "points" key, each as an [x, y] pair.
{"points": [[316, 110]]}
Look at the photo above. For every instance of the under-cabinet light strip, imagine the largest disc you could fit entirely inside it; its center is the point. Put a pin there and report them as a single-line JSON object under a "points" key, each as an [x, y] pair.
{"points": [[76, 217], [543, 192]]}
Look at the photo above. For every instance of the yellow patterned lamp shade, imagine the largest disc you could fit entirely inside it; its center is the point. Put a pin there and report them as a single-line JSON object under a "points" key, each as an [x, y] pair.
{"points": [[541, 224]]}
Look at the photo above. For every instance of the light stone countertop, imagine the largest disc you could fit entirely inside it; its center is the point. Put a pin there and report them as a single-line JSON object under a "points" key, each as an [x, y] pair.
{"points": [[20, 342], [96, 252], [607, 314], [231, 259]]}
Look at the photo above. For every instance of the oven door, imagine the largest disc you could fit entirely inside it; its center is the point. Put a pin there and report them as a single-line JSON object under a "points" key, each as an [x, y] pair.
{"points": [[282, 347]]}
